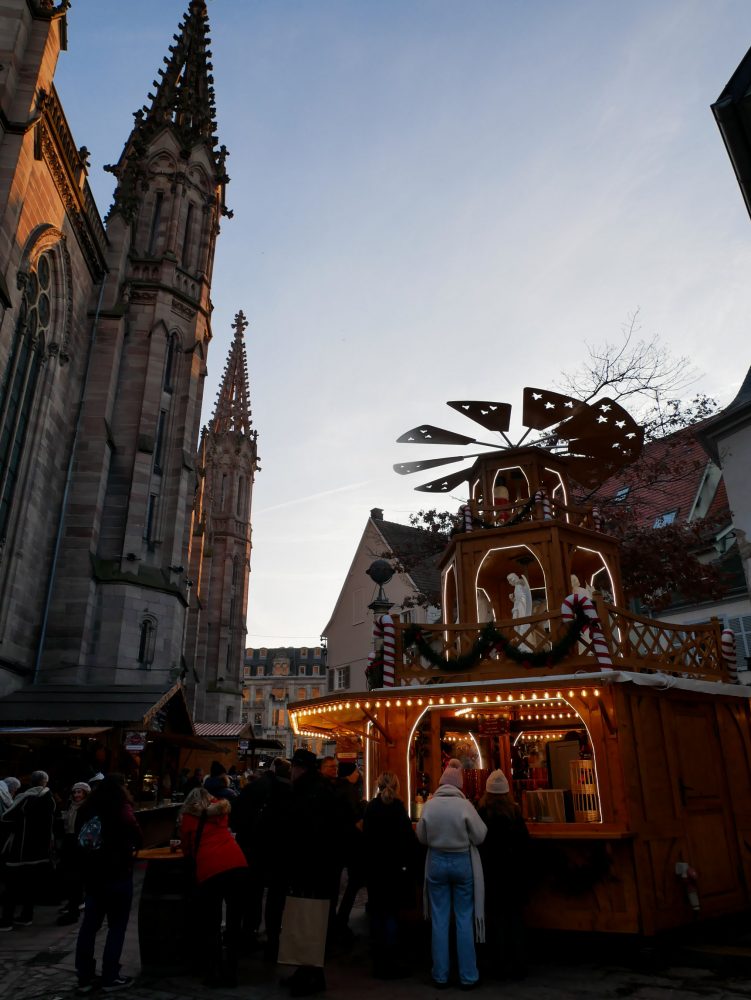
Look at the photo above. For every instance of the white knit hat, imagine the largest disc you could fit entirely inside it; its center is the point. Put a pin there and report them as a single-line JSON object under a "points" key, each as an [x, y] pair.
{"points": [[453, 774], [497, 783]]}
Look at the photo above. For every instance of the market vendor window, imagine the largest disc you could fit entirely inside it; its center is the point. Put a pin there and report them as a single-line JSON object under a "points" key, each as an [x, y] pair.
{"points": [[538, 738]]}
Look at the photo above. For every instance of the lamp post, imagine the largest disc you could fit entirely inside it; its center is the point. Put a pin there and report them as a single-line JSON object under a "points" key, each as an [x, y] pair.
{"points": [[380, 572]]}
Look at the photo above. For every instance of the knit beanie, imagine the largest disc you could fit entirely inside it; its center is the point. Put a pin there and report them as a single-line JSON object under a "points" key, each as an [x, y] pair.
{"points": [[12, 784], [81, 786], [453, 774], [497, 783]]}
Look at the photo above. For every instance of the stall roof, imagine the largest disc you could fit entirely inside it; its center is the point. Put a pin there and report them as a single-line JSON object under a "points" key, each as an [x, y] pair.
{"points": [[53, 730], [348, 713], [92, 704], [224, 730]]}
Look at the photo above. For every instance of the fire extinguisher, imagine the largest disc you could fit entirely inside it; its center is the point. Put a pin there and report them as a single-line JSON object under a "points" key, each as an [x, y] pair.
{"points": [[690, 880]]}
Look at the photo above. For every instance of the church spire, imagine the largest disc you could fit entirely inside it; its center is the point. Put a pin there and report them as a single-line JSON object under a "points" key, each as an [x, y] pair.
{"points": [[182, 100], [232, 410]]}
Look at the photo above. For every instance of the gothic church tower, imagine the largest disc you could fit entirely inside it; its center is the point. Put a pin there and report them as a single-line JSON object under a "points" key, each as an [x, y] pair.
{"points": [[220, 554], [52, 263], [118, 610]]}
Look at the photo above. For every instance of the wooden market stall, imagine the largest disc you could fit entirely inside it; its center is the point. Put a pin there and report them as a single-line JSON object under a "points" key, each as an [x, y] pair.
{"points": [[73, 731], [626, 745]]}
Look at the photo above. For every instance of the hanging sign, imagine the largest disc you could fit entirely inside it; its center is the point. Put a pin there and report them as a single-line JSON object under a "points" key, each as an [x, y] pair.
{"points": [[135, 742]]}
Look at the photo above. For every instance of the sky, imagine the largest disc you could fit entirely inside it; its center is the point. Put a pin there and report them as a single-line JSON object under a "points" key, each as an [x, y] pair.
{"points": [[434, 200]]}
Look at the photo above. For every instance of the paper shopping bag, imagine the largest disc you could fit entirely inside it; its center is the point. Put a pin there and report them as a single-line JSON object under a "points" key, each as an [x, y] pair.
{"points": [[303, 937]]}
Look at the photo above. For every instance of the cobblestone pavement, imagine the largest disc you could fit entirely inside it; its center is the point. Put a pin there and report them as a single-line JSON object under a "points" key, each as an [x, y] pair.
{"points": [[36, 963]]}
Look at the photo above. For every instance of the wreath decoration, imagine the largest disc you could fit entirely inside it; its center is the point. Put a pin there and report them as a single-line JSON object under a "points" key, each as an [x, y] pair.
{"points": [[519, 516], [490, 640]]}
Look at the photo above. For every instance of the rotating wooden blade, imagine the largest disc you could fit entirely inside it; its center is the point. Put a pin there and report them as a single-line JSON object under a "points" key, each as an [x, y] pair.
{"points": [[543, 408], [444, 485], [406, 468], [600, 428], [428, 434], [491, 416]]}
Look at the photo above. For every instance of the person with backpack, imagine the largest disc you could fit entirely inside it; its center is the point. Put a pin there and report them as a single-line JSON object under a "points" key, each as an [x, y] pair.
{"points": [[108, 839], [27, 849]]}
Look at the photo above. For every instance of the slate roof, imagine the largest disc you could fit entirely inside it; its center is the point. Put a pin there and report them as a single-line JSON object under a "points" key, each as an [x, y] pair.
{"points": [[735, 417], [408, 543]]}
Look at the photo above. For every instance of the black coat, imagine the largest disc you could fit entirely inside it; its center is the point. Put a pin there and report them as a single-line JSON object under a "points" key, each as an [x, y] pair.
{"points": [[320, 823], [262, 818], [505, 855], [391, 852], [29, 820]]}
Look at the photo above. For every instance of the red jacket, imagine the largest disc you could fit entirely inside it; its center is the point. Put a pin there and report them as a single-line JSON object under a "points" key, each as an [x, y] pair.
{"points": [[217, 850]]}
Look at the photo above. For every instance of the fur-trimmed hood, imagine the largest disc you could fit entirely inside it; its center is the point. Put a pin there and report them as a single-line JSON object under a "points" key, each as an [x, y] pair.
{"points": [[217, 807]]}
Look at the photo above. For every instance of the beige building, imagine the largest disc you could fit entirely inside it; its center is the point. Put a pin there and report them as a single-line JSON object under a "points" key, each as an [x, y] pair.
{"points": [[104, 338], [272, 679], [413, 593]]}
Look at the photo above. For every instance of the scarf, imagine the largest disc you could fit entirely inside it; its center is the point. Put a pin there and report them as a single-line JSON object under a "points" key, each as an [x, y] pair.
{"points": [[70, 816], [31, 793], [6, 799], [479, 892]]}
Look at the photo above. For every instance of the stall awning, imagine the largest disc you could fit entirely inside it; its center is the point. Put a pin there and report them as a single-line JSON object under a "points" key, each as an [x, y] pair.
{"points": [[131, 706], [53, 730], [225, 730]]}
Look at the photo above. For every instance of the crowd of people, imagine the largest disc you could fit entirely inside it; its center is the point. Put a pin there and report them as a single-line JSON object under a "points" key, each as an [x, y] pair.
{"points": [[294, 829]]}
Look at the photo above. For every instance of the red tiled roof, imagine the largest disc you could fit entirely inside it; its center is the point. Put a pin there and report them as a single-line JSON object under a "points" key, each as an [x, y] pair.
{"points": [[680, 463]]}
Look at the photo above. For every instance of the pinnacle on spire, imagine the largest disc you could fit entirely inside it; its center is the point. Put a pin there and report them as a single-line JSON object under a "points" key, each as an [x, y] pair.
{"points": [[232, 410], [182, 100]]}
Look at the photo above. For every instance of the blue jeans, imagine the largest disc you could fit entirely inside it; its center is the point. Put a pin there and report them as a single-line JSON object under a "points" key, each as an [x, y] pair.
{"points": [[112, 900], [450, 884]]}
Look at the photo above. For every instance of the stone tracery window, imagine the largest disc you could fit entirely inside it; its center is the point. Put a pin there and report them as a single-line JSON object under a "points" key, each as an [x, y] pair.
{"points": [[20, 379], [147, 641]]}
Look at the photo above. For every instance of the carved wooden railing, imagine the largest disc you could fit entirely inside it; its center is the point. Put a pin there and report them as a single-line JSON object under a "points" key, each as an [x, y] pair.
{"points": [[635, 643], [582, 516]]}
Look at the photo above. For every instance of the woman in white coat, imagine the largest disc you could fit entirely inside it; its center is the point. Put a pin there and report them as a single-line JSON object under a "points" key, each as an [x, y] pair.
{"points": [[451, 828]]}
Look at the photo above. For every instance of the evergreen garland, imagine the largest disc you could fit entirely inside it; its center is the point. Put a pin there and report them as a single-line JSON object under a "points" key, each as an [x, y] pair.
{"points": [[490, 639], [519, 516]]}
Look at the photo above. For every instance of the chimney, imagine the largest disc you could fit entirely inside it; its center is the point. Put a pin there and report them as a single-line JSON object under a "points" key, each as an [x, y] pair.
{"points": [[376, 514]]}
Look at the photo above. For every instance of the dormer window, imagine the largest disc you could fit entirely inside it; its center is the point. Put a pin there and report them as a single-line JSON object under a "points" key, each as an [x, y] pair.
{"points": [[664, 519], [621, 495]]}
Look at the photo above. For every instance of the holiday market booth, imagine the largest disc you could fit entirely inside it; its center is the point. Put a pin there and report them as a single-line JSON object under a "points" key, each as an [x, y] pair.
{"points": [[627, 740]]}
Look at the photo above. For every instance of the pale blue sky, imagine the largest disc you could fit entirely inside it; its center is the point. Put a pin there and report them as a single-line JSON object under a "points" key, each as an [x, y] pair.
{"points": [[434, 200]]}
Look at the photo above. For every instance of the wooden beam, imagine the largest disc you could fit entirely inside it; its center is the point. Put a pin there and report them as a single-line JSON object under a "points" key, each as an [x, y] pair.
{"points": [[381, 729]]}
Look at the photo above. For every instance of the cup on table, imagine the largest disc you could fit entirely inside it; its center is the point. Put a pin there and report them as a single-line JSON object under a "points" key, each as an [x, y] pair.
{"points": [[174, 846]]}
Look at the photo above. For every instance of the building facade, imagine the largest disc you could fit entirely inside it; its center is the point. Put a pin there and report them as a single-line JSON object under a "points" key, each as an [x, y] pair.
{"points": [[414, 594], [272, 679], [104, 335]]}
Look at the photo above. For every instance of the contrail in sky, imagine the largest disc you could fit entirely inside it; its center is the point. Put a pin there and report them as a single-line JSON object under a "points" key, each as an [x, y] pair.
{"points": [[313, 496]]}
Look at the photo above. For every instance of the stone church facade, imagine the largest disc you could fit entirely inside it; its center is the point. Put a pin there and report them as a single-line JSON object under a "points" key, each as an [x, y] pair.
{"points": [[124, 531]]}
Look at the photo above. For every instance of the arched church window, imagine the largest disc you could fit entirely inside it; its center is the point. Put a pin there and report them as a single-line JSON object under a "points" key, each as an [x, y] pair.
{"points": [[20, 379], [156, 218], [187, 234], [147, 642], [241, 496], [236, 571], [169, 362]]}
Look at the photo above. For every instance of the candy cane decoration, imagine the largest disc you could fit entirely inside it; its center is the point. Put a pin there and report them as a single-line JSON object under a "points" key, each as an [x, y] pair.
{"points": [[541, 497], [600, 646], [727, 645], [598, 520], [465, 513], [384, 631]]}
